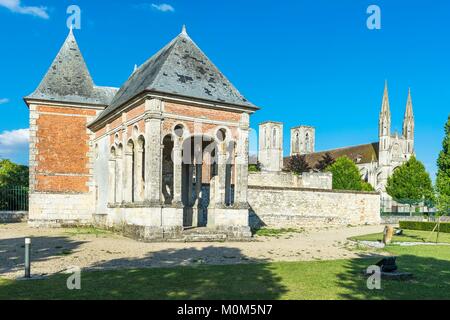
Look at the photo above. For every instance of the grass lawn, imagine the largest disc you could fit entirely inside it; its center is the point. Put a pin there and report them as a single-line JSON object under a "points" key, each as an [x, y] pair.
{"points": [[339, 279], [408, 236]]}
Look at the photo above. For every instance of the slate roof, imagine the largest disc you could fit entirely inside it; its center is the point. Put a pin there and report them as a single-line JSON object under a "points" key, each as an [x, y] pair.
{"points": [[366, 153], [180, 68], [68, 79]]}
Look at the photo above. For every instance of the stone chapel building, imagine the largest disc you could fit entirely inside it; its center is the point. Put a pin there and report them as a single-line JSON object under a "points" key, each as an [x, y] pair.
{"points": [[166, 151]]}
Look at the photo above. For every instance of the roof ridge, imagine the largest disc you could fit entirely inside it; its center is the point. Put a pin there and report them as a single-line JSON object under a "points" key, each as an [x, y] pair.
{"points": [[348, 147]]}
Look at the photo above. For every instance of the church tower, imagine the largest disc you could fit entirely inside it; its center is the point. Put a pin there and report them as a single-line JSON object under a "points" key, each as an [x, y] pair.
{"points": [[270, 153], [408, 126], [302, 140], [384, 128]]}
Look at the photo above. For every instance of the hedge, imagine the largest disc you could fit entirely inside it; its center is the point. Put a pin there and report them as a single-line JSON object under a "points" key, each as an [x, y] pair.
{"points": [[424, 226]]}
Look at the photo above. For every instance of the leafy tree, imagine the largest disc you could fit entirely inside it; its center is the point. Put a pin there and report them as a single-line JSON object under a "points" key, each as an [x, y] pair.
{"points": [[346, 175], [443, 174], [298, 164], [365, 186], [13, 175], [326, 161], [410, 184]]}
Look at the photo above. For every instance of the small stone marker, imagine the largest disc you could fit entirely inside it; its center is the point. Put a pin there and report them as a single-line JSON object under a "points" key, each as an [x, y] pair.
{"points": [[388, 234], [27, 258]]}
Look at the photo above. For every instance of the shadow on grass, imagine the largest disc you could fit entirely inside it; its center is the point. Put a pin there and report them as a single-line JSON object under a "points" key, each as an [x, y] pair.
{"points": [[12, 251], [200, 281], [431, 278]]}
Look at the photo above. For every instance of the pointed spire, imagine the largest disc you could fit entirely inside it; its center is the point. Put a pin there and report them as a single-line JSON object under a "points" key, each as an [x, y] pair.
{"points": [[409, 106], [385, 114], [385, 107], [135, 68], [408, 120]]}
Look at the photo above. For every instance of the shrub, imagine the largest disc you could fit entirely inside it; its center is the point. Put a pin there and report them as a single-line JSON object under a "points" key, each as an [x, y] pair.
{"points": [[424, 226]]}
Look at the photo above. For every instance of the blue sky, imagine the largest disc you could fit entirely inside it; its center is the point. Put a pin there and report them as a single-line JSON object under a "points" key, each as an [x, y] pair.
{"points": [[310, 62]]}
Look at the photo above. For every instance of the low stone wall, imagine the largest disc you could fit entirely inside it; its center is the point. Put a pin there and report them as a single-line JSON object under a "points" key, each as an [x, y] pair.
{"points": [[393, 219], [13, 216], [300, 207], [313, 180], [56, 210]]}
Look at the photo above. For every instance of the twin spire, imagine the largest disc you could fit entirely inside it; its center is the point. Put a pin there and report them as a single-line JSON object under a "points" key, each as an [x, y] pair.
{"points": [[385, 115]]}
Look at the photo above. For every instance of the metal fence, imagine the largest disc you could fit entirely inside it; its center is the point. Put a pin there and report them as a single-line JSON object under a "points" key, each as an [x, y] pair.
{"points": [[14, 199]]}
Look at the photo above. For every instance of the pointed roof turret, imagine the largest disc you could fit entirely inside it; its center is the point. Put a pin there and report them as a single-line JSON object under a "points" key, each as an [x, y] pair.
{"points": [[68, 79], [180, 69]]}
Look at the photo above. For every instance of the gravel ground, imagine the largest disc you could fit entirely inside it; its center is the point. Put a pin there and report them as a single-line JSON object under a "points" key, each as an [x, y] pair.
{"points": [[56, 250]]}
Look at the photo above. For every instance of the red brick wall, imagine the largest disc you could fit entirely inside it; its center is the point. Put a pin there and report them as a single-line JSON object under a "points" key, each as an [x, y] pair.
{"points": [[62, 149]]}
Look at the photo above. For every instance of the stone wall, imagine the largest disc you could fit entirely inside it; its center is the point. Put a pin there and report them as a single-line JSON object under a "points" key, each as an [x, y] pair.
{"points": [[395, 219], [13, 216], [288, 180], [300, 207], [55, 210]]}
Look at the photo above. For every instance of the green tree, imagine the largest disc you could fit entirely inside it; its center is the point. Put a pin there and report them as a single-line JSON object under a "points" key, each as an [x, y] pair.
{"points": [[345, 175], [13, 175], [326, 161], [410, 183], [365, 186], [298, 164], [443, 174]]}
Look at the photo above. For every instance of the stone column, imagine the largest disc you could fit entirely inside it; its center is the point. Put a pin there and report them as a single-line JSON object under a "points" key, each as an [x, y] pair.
{"points": [[139, 189], [128, 177], [112, 181], [241, 165], [177, 172], [119, 179], [153, 152], [221, 174]]}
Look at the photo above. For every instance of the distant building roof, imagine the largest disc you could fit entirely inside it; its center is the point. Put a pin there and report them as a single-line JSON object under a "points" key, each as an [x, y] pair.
{"points": [[361, 154], [68, 79], [180, 68]]}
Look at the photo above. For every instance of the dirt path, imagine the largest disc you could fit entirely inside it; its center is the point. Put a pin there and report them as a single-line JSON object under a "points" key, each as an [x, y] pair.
{"points": [[55, 250]]}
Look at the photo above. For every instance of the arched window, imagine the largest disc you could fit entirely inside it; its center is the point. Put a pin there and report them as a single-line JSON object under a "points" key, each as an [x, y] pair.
{"points": [[139, 170], [307, 142], [296, 142], [168, 168], [230, 174], [119, 173], [130, 172], [274, 138], [112, 176]]}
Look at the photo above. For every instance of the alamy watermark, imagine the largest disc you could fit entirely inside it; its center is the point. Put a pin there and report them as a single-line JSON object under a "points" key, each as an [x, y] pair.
{"points": [[74, 280], [74, 20], [374, 279], [374, 19]]}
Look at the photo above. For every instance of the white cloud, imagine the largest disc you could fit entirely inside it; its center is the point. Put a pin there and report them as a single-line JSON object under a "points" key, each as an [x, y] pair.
{"points": [[14, 144], [4, 100], [17, 7], [164, 7]]}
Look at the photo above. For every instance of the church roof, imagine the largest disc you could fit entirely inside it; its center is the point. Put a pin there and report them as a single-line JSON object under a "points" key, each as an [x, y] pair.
{"points": [[360, 154], [68, 79], [180, 68]]}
